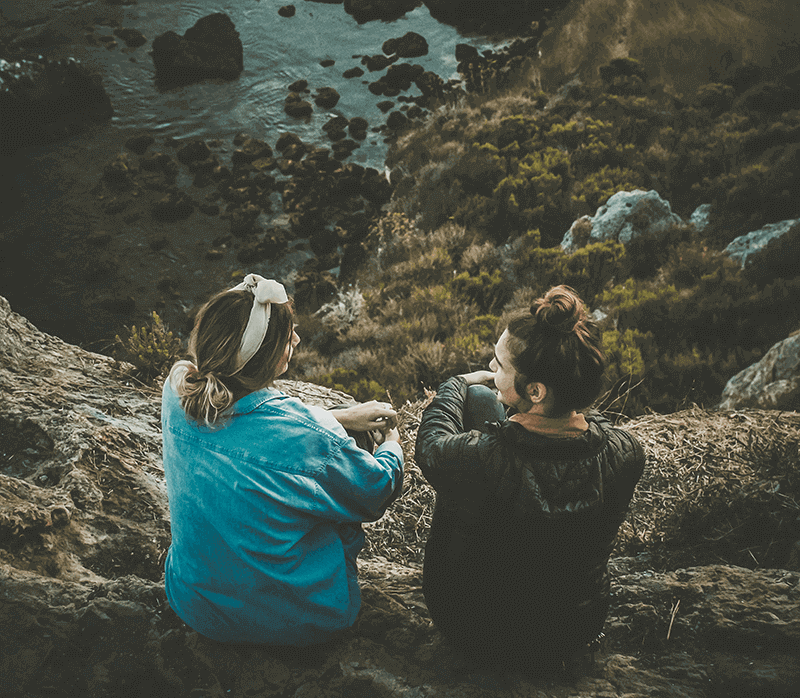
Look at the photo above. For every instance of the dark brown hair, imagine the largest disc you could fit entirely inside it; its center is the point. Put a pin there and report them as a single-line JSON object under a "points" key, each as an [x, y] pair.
{"points": [[208, 382], [557, 344]]}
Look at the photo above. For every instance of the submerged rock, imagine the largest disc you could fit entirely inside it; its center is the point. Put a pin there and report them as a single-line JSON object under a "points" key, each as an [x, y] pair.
{"points": [[133, 38], [209, 49]]}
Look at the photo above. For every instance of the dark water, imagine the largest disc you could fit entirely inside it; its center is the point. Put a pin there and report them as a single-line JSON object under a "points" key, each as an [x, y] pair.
{"points": [[49, 273]]}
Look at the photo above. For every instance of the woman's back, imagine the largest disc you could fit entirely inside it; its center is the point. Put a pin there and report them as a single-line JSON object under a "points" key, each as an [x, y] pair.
{"points": [[524, 523], [265, 509]]}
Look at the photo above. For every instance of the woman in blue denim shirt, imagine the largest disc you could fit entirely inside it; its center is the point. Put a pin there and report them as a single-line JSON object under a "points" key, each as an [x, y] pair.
{"points": [[267, 494]]}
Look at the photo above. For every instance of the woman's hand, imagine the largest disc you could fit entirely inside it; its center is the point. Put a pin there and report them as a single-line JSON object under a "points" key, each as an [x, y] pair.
{"points": [[379, 436], [367, 416], [478, 377]]}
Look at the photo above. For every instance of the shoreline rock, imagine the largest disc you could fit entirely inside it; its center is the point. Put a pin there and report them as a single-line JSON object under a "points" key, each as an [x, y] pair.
{"points": [[211, 48]]}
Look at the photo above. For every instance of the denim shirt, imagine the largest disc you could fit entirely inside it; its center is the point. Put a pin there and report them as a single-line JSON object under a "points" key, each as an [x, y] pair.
{"points": [[266, 514]]}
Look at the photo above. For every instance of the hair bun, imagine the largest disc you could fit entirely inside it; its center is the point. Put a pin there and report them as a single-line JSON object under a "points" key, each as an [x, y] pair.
{"points": [[561, 309]]}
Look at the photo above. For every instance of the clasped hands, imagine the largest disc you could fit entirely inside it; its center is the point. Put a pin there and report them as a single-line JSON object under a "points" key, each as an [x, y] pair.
{"points": [[478, 377], [377, 417]]}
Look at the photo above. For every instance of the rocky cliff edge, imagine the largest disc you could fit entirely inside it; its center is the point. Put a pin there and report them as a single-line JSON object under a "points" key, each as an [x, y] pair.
{"points": [[84, 523]]}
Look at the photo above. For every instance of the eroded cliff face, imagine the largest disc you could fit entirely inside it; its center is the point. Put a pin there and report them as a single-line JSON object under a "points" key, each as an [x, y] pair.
{"points": [[84, 523]]}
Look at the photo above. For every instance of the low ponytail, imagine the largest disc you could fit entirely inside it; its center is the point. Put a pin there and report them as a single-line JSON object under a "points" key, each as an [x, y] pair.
{"points": [[203, 396], [208, 383]]}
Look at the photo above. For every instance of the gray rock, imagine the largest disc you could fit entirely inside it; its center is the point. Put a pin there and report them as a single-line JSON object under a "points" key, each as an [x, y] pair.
{"points": [[773, 383], [756, 246], [84, 521], [625, 215], [699, 217]]}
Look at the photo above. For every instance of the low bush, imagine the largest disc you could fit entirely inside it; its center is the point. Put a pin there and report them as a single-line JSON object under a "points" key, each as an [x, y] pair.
{"points": [[151, 349]]}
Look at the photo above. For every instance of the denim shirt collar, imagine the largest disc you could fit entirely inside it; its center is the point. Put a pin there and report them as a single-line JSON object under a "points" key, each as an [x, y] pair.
{"points": [[253, 400]]}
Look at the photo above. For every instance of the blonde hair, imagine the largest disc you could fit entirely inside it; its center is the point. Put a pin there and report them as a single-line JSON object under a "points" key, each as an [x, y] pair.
{"points": [[556, 343], [208, 382]]}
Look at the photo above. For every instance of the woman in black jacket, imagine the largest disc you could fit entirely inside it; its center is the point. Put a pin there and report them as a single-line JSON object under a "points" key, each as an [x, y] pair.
{"points": [[529, 497]]}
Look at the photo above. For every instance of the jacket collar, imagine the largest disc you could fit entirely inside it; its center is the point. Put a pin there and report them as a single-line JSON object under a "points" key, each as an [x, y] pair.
{"points": [[559, 427]]}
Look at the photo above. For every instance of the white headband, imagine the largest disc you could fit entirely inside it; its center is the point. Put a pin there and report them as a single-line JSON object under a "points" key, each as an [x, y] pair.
{"points": [[265, 292]]}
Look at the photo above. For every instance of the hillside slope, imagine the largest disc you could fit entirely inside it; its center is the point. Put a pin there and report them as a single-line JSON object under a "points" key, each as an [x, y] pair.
{"points": [[682, 43]]}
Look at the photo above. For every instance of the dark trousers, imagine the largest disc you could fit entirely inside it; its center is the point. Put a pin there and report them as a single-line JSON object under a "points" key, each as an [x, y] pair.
{"points": [[482, 406]]}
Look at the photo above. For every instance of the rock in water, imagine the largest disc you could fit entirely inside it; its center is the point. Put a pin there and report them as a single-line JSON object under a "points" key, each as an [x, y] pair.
{"points": [[210, 49], [326, 98], [133, 38], [410, 45]]}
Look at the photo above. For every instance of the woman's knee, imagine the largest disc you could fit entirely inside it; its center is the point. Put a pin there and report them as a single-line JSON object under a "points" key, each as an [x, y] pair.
{"points": [[481, 406]]}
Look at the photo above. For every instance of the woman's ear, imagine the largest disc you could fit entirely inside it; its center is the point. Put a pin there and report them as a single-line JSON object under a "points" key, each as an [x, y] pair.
{"points": [[537, 392]]}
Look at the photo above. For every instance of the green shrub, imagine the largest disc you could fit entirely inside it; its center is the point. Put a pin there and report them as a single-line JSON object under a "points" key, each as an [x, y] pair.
{"points": [[351, 382], [152, 349], [488, 291], [588, 270], [598, 187]]}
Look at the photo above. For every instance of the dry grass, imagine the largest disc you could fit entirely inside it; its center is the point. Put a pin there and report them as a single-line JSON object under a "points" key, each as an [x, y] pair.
{"points": [[675, 41], [400, 535], [718, 487]]}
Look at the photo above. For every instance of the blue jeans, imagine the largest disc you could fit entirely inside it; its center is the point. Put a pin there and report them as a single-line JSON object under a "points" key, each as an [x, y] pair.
{"points": [[482, 406]]}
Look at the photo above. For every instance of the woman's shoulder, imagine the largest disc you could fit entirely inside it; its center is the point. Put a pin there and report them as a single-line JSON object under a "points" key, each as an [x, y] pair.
{"points": [[621, 441], [276, 404]]}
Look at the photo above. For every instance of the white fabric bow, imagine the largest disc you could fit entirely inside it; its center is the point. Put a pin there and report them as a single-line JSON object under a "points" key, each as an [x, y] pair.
{"points": [[265, 292]]}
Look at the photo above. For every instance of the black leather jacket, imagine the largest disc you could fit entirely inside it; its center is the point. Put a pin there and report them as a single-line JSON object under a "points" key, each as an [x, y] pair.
{"points": [[516, 560]]}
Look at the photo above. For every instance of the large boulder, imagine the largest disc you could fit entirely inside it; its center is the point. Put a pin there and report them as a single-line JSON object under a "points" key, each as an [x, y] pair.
{"points": [[625, 215], [766, 246], [771, 384], [85, 524], [42, 101], [209, 49]]}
